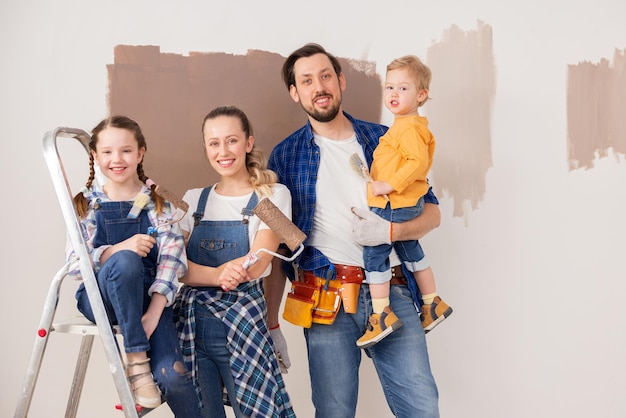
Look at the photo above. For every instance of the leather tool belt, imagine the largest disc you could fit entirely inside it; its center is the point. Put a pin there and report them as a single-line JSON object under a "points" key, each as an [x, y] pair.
{"points": [[313, 299]]}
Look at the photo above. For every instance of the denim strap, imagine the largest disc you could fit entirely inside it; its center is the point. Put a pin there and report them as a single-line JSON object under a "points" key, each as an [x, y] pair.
{"points": [[199, 213]]}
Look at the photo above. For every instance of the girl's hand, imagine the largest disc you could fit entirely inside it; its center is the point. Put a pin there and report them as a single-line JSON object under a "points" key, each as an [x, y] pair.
{"points": [[149, 323], [138, 243], [231, 276], [150, 320]]}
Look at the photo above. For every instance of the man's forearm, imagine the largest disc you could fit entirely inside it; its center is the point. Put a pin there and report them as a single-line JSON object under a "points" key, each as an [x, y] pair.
{"points": [[417, 228], [274, 287]]}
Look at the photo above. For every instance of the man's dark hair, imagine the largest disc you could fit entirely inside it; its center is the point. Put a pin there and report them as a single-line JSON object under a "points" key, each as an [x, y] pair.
{"points": [[307, 50]]}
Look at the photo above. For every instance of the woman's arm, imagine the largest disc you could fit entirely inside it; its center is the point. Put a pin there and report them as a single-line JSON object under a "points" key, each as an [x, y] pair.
{"points": [[232, 272]]}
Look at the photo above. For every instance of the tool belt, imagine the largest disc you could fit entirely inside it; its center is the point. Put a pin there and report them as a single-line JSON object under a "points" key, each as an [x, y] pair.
{"points": [[313, 299]]}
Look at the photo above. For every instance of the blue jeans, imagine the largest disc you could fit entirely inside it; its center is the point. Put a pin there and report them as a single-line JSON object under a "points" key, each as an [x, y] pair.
{"points": [[376, 259], [401, 361], [213, 361], [125, 297]]}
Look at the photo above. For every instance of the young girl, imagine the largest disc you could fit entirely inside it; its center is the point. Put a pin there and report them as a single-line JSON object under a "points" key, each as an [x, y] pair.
{"points": [[137, 273], [221, 309]]}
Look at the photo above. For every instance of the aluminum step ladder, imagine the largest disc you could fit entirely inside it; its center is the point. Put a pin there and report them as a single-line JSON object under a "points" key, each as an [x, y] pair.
{"points": [[82, 326]]}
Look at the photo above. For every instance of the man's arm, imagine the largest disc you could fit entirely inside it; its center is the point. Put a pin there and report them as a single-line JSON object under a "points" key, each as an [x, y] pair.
{"points": [[370, 229], [417, 228], [274, 287]]}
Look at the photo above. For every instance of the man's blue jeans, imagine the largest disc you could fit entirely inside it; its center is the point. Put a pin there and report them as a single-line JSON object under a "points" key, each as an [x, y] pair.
{"points": [[401, 361], [125, 297]]}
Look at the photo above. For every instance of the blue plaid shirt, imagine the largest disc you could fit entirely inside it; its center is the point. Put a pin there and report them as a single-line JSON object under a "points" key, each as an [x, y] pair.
{"points": [[296, 161]]}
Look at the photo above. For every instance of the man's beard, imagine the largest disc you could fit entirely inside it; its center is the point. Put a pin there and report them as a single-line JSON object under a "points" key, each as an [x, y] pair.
{"points": [[322, 116]]}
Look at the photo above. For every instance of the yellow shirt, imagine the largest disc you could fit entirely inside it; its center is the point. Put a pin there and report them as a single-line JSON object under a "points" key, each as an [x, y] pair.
{"points": [[403, 159]]}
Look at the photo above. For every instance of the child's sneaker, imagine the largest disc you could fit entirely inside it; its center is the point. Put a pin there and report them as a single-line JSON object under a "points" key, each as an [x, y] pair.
{"points": [[434, 313], [146, 392], [380, 325]]}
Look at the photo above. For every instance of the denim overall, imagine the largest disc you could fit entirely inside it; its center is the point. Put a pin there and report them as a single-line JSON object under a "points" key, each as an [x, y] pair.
{"points": [[213, 243], [124, 280], [230, 327]]}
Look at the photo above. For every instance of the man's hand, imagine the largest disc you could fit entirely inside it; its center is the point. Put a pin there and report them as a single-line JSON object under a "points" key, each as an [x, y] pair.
{"points": [[370, 229], [280, 345]]}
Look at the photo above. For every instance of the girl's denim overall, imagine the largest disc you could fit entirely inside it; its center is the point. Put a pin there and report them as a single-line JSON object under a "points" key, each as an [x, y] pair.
{"points": [[124, 280]]}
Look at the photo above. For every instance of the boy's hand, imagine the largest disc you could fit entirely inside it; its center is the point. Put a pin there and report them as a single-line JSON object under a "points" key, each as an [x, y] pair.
{"points": [[381, 188]]}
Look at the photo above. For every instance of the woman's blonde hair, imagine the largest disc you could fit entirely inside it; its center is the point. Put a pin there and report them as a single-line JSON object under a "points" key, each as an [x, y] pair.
{"points": [[261, 177]]}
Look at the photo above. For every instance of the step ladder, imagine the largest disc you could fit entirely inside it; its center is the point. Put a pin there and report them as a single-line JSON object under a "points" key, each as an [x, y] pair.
{"points": [[80, 326]]}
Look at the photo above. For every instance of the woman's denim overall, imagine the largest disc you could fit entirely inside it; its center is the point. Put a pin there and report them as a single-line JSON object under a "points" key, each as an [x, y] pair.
{"points": [[124, 280], [213, 243]]}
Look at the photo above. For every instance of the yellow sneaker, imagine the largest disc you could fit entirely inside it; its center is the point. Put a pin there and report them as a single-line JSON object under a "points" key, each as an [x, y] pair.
{"points": [[380, 325], [433, 314]]}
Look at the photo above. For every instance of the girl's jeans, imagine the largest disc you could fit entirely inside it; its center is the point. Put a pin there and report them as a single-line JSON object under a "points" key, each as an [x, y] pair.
{"points": [[124, 285]]}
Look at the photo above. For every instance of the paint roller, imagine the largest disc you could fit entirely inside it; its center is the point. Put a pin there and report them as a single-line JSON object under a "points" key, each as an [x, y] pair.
{"points": [[172, 198], [282, 226]]}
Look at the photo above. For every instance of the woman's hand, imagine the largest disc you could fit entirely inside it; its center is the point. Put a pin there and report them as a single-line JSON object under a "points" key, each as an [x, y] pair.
{"points": [[232, 274]]}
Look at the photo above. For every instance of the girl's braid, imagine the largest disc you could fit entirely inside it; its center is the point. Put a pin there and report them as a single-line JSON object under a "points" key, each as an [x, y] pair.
{"points": [[157, 198], [79, 200]]}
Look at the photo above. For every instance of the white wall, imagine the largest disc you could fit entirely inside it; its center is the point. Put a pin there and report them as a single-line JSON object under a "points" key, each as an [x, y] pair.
{"points": [[535, 273]]}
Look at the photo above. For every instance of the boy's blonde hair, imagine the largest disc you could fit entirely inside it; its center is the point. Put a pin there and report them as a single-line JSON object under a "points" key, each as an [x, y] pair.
{"points": [[416, 69]]}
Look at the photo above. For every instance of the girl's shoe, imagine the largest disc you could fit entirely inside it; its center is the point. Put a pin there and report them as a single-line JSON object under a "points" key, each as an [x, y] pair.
{"points": [[145, 391]]}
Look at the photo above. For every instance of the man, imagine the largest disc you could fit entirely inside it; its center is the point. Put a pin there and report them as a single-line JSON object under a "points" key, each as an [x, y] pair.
{"points": [[313, 163]]}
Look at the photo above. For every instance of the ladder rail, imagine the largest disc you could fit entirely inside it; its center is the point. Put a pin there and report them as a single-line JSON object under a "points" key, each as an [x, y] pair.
{"points": [[64, 194], [65, 198], [41, 341]]}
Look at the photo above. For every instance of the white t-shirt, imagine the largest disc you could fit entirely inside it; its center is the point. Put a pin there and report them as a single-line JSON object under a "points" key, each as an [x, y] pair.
{"points": [[228, 208], [338, 189]]}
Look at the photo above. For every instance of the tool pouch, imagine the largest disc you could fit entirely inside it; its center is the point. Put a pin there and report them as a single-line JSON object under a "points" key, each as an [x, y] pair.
{"points": [[301, 300], [330, 299], [350, 294]]}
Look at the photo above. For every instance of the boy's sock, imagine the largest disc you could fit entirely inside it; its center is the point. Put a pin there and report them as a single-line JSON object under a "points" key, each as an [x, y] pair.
{"points": [[378, 305], [428, 298]]}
